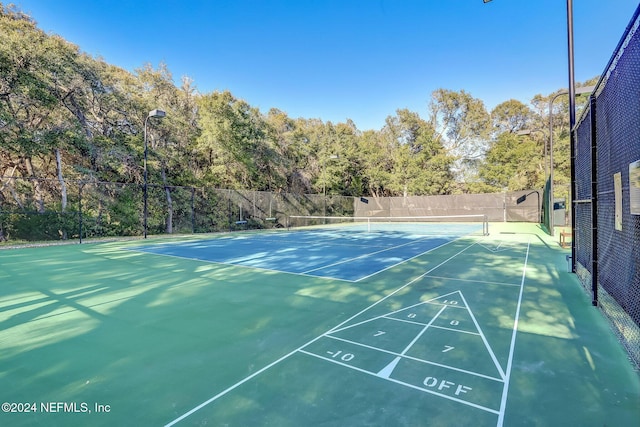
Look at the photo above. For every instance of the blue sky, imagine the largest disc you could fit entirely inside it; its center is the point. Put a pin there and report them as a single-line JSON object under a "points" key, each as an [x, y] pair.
{"points": [[339, 59]]}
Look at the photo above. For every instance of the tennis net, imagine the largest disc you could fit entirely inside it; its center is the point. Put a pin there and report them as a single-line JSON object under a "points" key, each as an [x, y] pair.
{"points": [[437, 225]]}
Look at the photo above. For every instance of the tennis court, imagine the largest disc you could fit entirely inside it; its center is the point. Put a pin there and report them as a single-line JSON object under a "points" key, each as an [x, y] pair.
{"points": [[323, 325], [346, 251]]}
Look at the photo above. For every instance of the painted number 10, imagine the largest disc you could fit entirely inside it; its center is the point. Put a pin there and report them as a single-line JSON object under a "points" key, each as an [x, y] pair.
{"points": [[346, 357]]}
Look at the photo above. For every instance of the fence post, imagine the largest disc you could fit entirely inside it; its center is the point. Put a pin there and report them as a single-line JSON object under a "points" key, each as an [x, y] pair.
{"points": [[230, 217], [594, 205], [193, 211], [504, 206], [80, 186]]}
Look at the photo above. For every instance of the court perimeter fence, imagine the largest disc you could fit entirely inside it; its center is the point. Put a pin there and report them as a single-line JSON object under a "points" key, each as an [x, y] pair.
{"points": [[32, 209], [517, 206], [606, 154]]}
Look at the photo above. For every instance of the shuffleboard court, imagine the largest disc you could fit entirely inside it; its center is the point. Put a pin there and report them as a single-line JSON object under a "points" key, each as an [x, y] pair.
{"points": [[433, 339]]}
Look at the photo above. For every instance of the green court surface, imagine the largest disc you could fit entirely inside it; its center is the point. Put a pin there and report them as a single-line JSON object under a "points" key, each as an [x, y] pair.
{"points": [[471, 331]]}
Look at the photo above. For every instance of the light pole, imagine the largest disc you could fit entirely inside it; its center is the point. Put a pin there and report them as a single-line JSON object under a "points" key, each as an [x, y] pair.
{"points": [[153, 113], [571, 92], [572, 114], [580, 90]]}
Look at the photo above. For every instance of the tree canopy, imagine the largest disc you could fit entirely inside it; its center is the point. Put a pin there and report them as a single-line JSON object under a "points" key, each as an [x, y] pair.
{"points": [[67, 115]]}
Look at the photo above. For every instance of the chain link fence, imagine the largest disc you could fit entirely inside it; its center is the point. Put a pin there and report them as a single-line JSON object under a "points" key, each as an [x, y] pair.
{"points": [[607, 154], [45, 210], [517, 206]]}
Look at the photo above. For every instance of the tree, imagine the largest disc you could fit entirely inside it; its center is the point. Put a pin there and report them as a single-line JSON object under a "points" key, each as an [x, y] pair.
{"points": [[510, 164], [421, 165], [343, 170], [234, 142], [560, 120], [462, 124], [290, 153], [43, 85], [65, 114], [170, 140], [511, 116]]}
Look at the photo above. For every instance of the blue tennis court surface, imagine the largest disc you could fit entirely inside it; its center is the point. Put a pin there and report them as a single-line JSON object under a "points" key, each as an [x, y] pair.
{"points": [[349, 254]]}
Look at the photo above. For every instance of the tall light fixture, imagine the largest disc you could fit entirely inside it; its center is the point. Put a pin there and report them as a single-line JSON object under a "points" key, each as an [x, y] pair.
{"points": [[572, 139], [158, 114], [572, 85], [572, 122], [580, 90]]}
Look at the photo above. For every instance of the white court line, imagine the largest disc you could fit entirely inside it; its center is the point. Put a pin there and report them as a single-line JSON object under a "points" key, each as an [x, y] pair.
{"points": [[413, 323], [396, 311], [496, 249], [408, 259], [243, 266], [464, 402], [388, 370], [484, 339], [505, 388], [430, 324], [433, 319], [286, 356], [415, 359], [480, 282], [365, 255], [142, 250], [455, 330]]}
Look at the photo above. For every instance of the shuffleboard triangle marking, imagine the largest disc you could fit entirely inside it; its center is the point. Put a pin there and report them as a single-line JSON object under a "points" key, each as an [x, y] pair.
{"points": [[453, 299], [387, 370]]}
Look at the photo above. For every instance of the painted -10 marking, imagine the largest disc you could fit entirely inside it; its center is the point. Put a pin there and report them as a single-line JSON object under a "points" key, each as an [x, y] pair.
{"points": [[346, 357]]}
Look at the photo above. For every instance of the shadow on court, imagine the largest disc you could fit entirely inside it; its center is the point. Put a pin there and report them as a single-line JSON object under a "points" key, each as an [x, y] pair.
{"points": [[482, 331]]}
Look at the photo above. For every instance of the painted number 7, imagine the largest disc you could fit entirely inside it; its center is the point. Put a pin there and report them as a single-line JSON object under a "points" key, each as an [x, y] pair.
{"points": [[447, 348]]}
